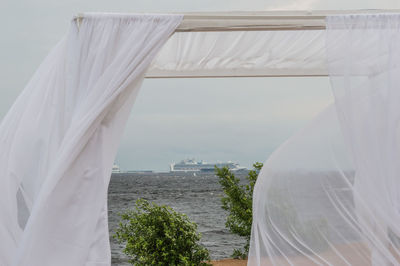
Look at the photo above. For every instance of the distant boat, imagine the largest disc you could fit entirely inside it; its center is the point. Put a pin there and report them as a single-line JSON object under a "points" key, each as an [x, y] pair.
{"points": [[115, 169], [139, 171], [190, 165]]}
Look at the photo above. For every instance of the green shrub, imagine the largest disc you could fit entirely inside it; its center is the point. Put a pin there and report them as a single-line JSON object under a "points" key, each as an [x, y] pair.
{"points": [[158, 235], [238, 200]]}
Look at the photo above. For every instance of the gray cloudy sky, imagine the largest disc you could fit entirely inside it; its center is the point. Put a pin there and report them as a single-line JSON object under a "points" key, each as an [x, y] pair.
{"points": [[241, 120]]}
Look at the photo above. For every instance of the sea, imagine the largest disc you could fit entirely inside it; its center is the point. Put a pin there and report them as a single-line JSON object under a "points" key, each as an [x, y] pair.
{"points": [[197, 195]]}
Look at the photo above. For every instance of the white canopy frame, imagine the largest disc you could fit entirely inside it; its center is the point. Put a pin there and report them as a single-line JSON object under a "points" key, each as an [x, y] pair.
{"points": [[260, 20], [253, 21]]}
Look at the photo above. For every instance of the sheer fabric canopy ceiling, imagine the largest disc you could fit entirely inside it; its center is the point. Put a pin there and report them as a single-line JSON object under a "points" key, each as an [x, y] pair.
{"points": [[247, 44]]}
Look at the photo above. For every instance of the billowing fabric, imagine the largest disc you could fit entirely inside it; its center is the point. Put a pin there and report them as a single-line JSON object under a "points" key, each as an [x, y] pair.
{"points": [[240, 53], [59, 140], [330, 195]]}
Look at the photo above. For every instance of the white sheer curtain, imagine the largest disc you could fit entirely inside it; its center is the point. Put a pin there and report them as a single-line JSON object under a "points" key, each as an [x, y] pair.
{"points": [[330, 195], [59, 140], [250, 53]]}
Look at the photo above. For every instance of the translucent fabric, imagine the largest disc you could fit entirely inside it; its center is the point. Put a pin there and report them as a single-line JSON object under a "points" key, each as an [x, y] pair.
{"points": [[242, 53], [330, 195], [59, 140]]}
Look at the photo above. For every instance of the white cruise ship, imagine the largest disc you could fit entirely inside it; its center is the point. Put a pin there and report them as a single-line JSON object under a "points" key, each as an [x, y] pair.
{"points": [[115, 169], [190, 165]]}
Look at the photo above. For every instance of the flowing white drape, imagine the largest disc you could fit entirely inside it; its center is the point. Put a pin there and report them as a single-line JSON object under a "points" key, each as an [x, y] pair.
{"points": [[59, 140], [331, 194]]}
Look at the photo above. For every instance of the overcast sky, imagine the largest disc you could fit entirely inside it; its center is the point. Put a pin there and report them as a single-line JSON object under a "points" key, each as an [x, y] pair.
{"points": [[239, 119]]}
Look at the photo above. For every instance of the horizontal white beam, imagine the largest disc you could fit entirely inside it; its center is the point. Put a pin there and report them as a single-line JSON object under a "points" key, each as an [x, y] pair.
{"points": [[265, 21], [238, 74], [260, 20]]}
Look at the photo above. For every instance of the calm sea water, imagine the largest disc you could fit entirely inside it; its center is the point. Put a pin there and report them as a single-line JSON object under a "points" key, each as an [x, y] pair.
{"points": [[197, 196]]}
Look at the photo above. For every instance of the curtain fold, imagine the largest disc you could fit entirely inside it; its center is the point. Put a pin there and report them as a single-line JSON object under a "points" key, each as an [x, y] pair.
{"points": [[59, 140], [365, 78], [330, 195]]}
